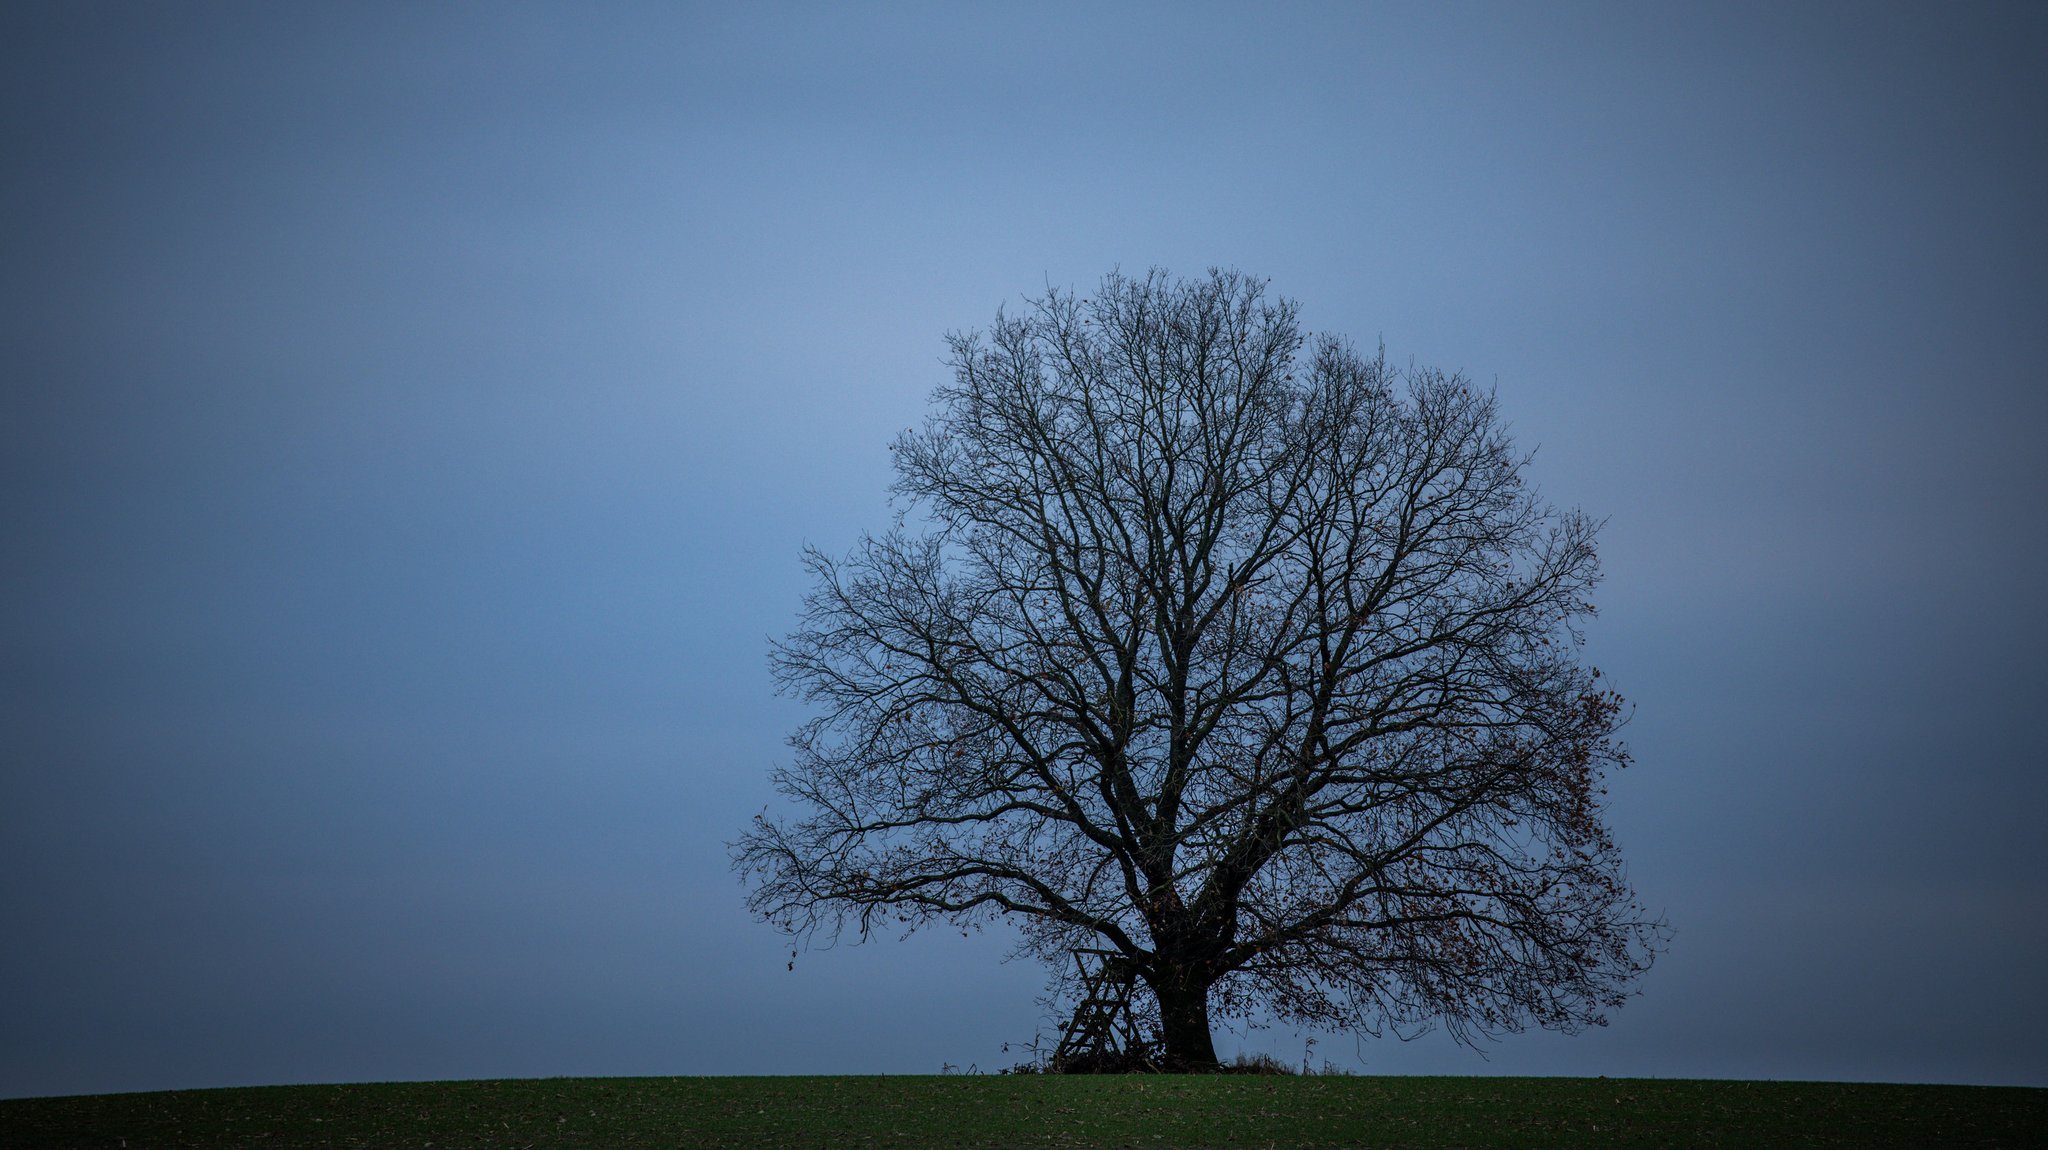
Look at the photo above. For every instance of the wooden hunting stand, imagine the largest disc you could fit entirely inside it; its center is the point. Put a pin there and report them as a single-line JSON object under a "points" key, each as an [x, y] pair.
{"points": [[1103, 1024]]}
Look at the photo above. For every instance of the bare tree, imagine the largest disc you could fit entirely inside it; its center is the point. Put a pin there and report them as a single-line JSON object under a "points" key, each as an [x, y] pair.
{"points": [[1231, 650]]}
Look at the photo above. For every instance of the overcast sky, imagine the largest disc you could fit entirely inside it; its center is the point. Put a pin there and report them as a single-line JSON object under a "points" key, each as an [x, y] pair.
{"points": [[413, 415]]}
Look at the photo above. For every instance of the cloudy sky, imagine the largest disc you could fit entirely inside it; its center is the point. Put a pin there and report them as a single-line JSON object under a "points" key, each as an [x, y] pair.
{"points": [[412, 415]]}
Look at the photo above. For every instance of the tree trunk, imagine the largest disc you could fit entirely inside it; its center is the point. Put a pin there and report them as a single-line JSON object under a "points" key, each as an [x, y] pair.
{"points": [[1184, 1016]]}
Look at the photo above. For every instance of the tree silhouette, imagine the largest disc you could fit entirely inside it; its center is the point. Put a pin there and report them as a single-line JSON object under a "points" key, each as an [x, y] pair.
{"points": [[1230, 650]]}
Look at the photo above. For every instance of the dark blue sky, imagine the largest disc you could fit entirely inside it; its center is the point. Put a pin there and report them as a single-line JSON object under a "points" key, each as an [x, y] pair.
{"points": [[412, 416]]}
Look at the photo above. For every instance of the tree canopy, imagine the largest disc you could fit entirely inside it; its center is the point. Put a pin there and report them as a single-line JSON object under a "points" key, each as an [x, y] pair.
{"points": [[1230, 649]]}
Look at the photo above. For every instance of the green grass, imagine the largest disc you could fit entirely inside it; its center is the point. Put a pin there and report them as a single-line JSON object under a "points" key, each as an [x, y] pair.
{"points": [[1235, 1111]]}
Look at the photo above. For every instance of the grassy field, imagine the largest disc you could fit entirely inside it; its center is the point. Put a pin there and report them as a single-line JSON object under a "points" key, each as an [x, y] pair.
{"points": [[1234, 1111]]}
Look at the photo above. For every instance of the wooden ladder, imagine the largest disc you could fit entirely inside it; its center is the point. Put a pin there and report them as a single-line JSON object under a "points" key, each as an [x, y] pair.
{"points": [[1102, 1023]]}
